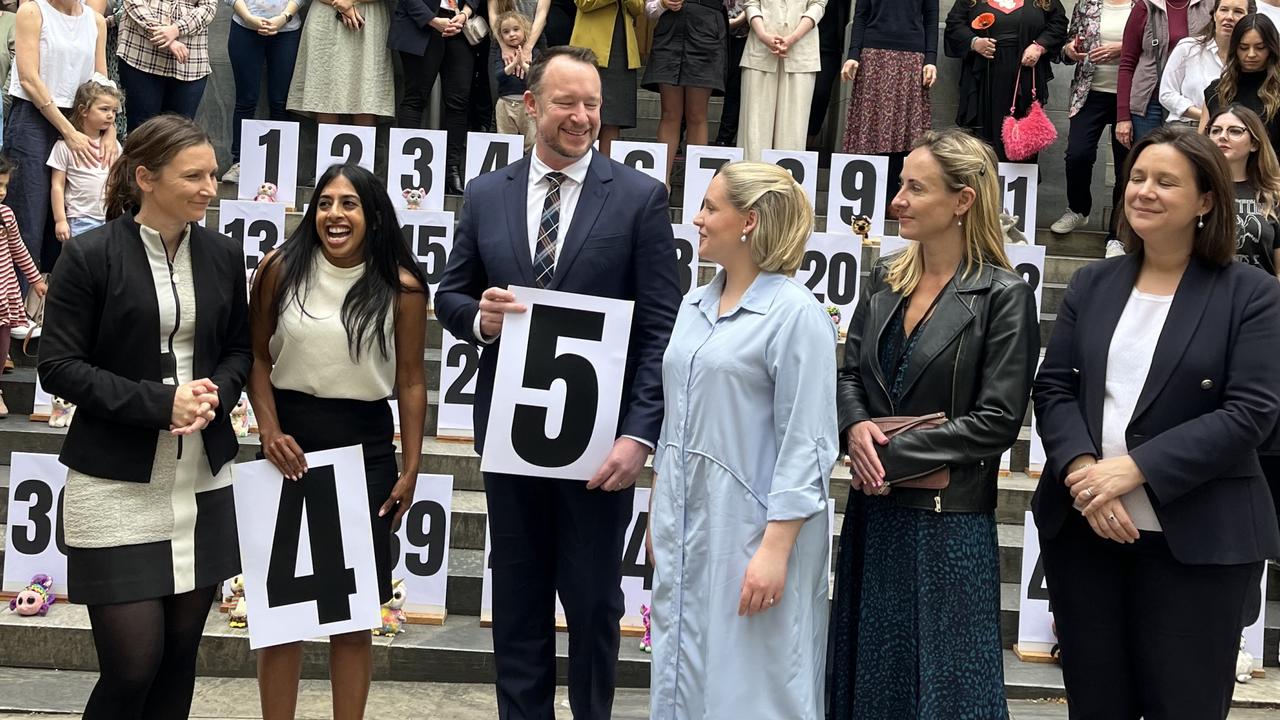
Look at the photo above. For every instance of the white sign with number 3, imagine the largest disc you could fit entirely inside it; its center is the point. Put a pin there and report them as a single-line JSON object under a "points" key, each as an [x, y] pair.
{"points": [[557, 388], [416, 163], [307, 549], [269, 154], [33, 537], [420, 548], [257, 226]]}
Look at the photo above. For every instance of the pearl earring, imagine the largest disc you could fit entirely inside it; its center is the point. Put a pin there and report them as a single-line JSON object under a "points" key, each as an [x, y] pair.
{"points": [[1200, 223], [743, 238], [960, 223]]}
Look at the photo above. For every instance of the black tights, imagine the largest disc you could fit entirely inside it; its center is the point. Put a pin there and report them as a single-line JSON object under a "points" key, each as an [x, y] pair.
{"points": [[147, 656]]}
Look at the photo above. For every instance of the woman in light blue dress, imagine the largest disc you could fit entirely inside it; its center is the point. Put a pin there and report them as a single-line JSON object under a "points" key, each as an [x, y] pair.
{"points": [[739, 523]]}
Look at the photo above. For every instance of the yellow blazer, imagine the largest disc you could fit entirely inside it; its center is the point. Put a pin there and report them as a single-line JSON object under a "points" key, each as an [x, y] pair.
{"points": [[593, 28]]}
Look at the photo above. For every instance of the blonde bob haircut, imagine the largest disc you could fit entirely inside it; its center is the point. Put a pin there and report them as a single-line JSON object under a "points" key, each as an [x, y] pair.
{"points": [[966, 162], [784, 217]]}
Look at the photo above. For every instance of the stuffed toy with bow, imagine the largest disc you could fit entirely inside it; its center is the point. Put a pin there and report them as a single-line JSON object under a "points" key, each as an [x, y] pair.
{"points": [[35, 598]]}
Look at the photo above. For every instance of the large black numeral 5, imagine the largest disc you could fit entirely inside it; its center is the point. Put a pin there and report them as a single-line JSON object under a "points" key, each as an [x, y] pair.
{"points": [[547, 324], [331, 582]]}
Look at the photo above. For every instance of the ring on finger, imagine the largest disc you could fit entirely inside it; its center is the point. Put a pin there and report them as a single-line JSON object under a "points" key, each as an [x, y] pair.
{"points": [[1111, 517], [1088, 492]]}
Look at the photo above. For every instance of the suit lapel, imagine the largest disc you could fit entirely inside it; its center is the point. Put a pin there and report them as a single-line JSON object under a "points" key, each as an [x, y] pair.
{"points": [[517, 208], [1098, 323], [595, 190], [1189, 303]]}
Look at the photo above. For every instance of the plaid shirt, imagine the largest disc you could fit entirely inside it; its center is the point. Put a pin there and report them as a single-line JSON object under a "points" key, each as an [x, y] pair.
{"points": [[192, 18]]}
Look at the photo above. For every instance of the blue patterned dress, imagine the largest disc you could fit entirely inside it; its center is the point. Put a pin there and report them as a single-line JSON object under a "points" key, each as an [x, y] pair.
{"points": [[916, 623]]}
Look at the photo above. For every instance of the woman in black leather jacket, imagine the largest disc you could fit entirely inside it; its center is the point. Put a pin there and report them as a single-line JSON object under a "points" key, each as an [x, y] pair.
{"points": [[949, 328]]}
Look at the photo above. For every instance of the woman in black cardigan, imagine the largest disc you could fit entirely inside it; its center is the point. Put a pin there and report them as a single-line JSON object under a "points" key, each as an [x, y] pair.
{"points": [[147, 333], [1153, 513], [1026, 35]]}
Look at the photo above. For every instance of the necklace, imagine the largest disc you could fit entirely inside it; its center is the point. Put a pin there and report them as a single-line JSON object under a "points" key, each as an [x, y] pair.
{"points": [[1169, 5]]}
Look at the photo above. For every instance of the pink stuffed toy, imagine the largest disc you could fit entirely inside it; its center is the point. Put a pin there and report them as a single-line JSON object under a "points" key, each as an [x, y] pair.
{"points": [[413, 198], [35, 599], [646, 642], [266, 193]]}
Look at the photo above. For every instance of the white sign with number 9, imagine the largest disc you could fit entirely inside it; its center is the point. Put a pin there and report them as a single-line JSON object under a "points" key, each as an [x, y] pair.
{"points": [[557, 389], [857, 187], [420, 548], [33, 541]]}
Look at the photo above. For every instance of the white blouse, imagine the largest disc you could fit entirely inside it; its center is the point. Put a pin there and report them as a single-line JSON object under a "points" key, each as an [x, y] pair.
{"points": [[1128, 361], [1191, 67]]}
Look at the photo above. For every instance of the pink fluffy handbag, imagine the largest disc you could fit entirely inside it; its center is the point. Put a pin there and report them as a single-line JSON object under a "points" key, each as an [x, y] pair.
{"points": [[1024, 137]]}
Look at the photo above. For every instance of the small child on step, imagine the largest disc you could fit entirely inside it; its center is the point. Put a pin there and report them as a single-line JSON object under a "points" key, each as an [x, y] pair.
{"points": [[13, 254], [513, 30], [77, 189]]}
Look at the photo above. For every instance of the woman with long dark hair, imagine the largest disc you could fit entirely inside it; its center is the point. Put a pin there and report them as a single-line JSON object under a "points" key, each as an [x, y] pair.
{"points": [[147, 333], [339, 318], [1251, 76]]}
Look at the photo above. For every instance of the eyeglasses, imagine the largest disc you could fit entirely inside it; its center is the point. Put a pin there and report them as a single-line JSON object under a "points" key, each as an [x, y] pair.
{"points": [[1235, 132]]}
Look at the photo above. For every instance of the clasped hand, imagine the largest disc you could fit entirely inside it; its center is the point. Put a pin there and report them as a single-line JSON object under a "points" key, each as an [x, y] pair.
{"points": [[1096, 490], [195, 404]]}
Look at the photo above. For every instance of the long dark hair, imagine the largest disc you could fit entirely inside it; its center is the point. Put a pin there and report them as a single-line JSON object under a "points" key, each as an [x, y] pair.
{"points": [[1214, 243], [386, 253], [1269, 93], [151, 145]]}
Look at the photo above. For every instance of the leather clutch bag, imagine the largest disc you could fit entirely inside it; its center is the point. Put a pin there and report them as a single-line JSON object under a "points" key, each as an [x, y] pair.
{"points": [[935, 479]]}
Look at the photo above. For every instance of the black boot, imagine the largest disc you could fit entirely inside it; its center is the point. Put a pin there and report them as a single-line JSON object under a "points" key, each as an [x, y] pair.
{"points": [[453, 181]]}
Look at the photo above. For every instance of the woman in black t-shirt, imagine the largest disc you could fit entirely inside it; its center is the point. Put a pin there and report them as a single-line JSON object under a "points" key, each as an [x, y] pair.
{"points": [[1251, 76], [1238, 132]]}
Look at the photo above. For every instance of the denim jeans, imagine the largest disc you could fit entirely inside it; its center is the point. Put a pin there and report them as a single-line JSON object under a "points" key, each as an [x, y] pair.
{"points": [[151, 95], [249, 51], [81, 225], [31, 138], [1144, 124]]}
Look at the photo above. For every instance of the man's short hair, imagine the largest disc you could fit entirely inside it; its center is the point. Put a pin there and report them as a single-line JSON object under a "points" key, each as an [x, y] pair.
{"points": [[533, 78]]}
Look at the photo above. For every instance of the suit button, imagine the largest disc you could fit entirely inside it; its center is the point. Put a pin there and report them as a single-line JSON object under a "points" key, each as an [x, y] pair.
{"points": [[1206, 384], [1075, 371]]}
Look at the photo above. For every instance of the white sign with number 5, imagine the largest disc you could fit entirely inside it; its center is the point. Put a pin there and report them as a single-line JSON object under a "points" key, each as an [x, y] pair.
{"points": [[415, 168], [33, 540], [420, 548], [558, 385], [269, 154], [307, 549], [430, 237]]}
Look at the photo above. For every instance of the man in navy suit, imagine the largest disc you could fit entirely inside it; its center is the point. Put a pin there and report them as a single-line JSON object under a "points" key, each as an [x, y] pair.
{"points": [[565, 218]]}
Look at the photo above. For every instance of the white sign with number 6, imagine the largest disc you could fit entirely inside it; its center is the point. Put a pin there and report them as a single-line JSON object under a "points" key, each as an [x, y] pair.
{"points": [[344, 144], [649, 158], [1018, 185], [558, 385], [701, 163], [803, 166], [487, 152], [686, 257], [307, 549], [33, 541], [830, 271], [420, 548], [257, 226], [415, 168], [459, 364], [430, 237], [269, 154], [857, 187]]}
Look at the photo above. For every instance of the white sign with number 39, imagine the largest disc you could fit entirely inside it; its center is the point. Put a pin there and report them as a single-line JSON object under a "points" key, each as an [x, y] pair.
{"points": [[420, 548]]}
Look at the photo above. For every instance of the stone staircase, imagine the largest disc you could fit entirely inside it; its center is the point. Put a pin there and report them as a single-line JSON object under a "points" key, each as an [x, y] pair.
{"points": [[461, 650]]}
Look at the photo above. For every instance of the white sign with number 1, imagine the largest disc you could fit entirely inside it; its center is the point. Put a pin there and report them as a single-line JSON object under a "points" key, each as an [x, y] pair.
{"points": [[558, 385], [269, 154]]}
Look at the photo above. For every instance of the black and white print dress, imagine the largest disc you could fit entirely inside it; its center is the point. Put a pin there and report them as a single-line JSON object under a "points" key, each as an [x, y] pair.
{"points": [[131, 541]]}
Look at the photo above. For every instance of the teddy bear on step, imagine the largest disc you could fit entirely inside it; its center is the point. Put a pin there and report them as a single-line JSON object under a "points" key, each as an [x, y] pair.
{"points": [[266, 193]]}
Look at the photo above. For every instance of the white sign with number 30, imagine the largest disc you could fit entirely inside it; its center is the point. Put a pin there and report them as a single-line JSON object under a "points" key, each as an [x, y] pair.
{"points": [[33, 537], [557, 388]]}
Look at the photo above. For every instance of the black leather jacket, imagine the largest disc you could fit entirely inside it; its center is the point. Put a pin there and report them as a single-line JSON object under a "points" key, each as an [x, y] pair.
{"points": [[974, 360]]}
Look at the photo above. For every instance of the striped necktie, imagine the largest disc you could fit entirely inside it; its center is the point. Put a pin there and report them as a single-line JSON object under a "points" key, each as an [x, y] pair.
{"points": [[544, 261]]}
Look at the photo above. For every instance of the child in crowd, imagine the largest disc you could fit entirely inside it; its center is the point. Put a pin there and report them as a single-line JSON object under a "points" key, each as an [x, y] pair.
{"points": [[13, 313], [513, 30], [77, 190]]}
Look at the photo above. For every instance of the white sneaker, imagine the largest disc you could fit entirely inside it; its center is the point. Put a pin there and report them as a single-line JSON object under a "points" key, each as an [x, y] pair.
{"points": [[1115, 248], [20, 332], [232, 175], [1069, 221]]}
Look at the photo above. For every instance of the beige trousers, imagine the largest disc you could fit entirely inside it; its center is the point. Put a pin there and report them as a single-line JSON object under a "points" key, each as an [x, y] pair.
{"points": [[512, 119], [775, 111]]}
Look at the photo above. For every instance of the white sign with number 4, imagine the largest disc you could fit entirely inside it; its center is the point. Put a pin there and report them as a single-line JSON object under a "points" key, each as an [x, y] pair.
{"points": [[558, 385], [307, 549], [33, 537]]}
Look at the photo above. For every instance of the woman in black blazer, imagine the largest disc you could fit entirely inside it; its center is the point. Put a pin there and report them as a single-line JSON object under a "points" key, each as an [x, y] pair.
{"points": [[427, 34], [1153, 513], [147, 333]]}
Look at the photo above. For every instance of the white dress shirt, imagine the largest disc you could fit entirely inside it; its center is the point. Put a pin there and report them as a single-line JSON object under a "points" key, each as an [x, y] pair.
{"points": [[1128, 361], [1191, 67]]}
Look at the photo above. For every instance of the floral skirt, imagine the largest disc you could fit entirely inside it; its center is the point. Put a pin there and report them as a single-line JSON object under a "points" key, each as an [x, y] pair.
{"points": [[889, 107]]}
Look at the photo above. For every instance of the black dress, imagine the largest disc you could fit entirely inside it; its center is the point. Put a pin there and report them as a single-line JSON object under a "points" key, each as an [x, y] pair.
{"points": [[690, 48], [986, 86]]}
